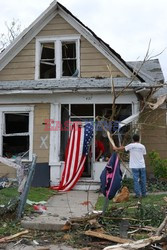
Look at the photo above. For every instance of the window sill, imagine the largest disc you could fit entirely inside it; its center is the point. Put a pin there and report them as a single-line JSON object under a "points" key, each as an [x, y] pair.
{"points": [[58, 79], [14, 159]]}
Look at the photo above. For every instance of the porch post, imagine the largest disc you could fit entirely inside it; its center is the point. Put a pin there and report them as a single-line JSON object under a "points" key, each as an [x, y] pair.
{"points": [[54, 152]]}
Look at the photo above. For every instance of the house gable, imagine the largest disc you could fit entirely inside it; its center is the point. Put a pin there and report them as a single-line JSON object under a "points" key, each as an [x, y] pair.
{"points": [[93, 59]]}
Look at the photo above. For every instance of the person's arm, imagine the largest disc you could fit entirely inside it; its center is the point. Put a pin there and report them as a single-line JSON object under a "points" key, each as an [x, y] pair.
{"points": [[119, 148], [99, 155]]}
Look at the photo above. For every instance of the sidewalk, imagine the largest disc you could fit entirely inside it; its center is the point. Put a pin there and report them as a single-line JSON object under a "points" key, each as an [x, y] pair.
{"points": [[60, 208]]}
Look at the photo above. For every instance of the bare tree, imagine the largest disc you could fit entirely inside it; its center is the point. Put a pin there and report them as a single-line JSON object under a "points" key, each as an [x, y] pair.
{"points": [[147, 105], [13, 29]]}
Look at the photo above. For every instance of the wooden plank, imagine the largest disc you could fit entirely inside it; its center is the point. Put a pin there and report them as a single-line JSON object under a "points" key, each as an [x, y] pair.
{"points": [[85, 44], [92, 56], [11, 237], [101, 68], [27, 52], [23, 59], [107, 237], [19, 65], [24, 71], [89, 50], [16, 77], [30, 45], [39, 129], [95, 63], [41, 152], [57, 32], [139, 244], [62, 26], [57, 19]]}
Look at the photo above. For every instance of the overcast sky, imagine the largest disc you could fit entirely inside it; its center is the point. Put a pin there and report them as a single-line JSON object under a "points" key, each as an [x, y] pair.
{"points": [[126, 25]]}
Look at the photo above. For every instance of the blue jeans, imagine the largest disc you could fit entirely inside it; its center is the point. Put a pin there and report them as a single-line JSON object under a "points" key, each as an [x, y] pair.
{"points": [[139, 178]]}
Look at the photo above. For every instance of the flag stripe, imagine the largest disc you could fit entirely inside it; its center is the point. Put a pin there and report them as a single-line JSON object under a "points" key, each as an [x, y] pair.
{"points": [[74, 153], [115, 167], [67, 161], [70, 165], [77, 176], [77, 149]]}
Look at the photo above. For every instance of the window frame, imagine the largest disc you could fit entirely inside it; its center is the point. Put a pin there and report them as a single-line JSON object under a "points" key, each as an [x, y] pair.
{"points": [[15, 110], [57, 40]]}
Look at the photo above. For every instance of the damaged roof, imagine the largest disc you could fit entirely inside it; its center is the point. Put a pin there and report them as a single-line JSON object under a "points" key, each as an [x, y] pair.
{"points": [[150, 70], [161, 92], [56, 8], [70, 84], [104, 44]]}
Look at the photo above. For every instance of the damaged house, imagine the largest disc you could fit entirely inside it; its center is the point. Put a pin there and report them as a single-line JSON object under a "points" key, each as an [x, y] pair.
{"points": [[55, 72]]}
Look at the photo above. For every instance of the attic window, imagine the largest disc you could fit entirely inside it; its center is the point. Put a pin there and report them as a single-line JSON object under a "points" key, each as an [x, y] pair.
{"points": [[69, 59], [57, 57], [47, 62]]}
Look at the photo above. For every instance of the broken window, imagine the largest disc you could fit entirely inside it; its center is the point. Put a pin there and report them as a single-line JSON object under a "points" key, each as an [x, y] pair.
{"points": [[15, 135], [57, 57], [69, 60], [47, 62]]}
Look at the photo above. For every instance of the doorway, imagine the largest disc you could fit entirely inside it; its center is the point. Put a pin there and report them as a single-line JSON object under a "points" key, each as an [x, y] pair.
{"points": [[82, 113]]}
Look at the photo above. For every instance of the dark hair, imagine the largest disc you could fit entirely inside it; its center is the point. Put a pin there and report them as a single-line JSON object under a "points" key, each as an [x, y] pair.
{"points": [[136, 138]]}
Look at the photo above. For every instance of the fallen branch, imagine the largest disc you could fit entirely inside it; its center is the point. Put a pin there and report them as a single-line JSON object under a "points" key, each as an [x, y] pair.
{"points": [[119, 218], [126, 218], [84, 219], [11, 237], [146, 228], [139, 244], [161, 227], [106, 237]]}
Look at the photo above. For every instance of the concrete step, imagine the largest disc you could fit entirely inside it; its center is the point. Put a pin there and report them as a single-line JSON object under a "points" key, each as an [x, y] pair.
{"points": [[87, 185]]}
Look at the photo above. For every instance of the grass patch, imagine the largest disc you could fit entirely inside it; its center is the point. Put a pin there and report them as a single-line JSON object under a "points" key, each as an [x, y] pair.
{"points": [[149, 211], [7, 194], [8, 224], [35, 194], [40, 194], [152, 199], [153, 185]]}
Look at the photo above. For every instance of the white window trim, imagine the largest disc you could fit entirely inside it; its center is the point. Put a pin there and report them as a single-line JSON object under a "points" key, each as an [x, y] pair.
{"points": [[57, 40], [18, 109]]}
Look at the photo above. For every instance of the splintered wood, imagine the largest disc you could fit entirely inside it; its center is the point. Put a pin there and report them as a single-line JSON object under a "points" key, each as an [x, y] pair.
{"points": [[106, 237], [139, 244], [11, 237]]}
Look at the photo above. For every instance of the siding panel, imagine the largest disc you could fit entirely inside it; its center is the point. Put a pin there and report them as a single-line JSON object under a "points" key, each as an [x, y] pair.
{"points": [[154, 133], [93, 63]]}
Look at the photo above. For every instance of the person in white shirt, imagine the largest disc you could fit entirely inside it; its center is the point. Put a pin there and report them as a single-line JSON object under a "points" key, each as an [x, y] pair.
{"points": [[137, 164]]}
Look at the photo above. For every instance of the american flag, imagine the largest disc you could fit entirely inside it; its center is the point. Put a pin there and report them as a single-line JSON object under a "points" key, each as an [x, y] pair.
{"points": [[77, 150]]}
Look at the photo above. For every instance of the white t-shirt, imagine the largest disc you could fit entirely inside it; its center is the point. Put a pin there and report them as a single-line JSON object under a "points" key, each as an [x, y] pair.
{"points": [[137, 150]]}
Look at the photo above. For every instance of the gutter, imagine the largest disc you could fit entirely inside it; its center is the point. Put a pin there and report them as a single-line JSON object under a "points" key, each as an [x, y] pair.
{"points": [[10, 92]]}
